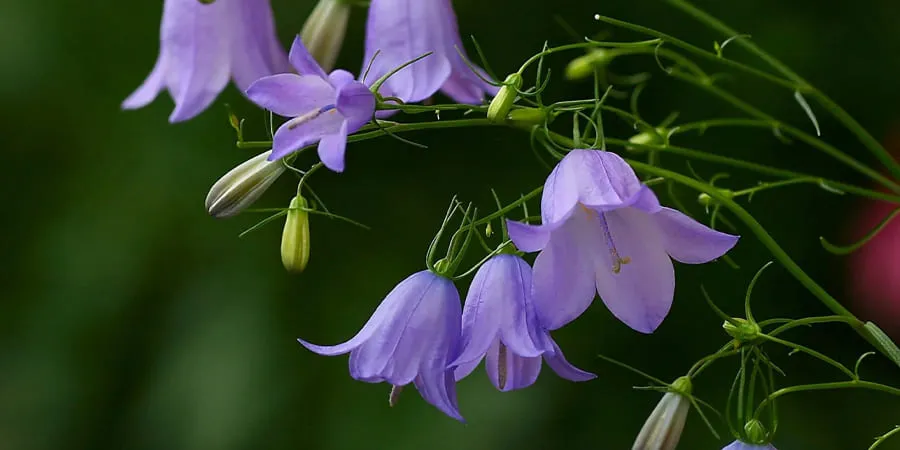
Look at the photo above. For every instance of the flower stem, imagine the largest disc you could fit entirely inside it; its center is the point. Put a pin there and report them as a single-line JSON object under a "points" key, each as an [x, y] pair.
{"points": [[852, 384], [801, 84]]}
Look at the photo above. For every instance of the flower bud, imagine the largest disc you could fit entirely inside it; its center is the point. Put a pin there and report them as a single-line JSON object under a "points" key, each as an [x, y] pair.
{"points": [[295, 237], [704, 199], [323, 32], [242, 186], [654, 137], [526, 118], [755, 431], [503, 101], [584, 66], [663, 428], [742, 330]]}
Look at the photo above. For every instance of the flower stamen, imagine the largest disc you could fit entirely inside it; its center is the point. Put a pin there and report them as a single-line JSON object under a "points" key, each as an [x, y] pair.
{"points": [[617, 261], [394, 398], [300, 120], [501, 366]]}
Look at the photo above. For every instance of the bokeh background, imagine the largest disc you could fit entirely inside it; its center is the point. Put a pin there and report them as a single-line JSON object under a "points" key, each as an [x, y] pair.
{"points": [[129, 319]]}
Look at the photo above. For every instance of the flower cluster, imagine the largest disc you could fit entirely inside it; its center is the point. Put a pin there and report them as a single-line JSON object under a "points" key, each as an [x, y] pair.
{"points": [[603, 230]]}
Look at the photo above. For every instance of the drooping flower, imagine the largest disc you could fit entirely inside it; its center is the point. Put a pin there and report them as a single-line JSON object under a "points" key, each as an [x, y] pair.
{"points": [[324, 108], [604, 231], [398, 31], [323, 32], [202, 46], [411, 338], [242, 186], [499, 325], [663, 427], [738, 445]]}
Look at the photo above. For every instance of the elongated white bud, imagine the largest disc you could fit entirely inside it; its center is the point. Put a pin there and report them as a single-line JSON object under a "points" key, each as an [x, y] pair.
{"points": [[663, 428], [242, 186], [323, 32]]}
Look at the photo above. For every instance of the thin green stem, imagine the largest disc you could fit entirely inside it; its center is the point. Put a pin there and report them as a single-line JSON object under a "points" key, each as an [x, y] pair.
{"points": [[851, 384], [815, 354], [807, 321], [802, 85]]}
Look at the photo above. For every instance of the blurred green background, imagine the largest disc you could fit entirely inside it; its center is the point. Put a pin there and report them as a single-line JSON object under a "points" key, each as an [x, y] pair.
{"points": [[132, 320]]}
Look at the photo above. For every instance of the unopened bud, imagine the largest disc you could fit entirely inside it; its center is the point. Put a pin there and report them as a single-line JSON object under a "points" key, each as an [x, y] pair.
{"points": [[663, 428], [584, 66], [242, 186], [742, 330], [756, 432], [323, 32], [526, 117], [649, 137], [503, 101], [295, 237], [704, 199]]}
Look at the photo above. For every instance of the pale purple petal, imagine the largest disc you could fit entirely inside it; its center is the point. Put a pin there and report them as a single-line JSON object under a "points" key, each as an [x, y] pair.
{"points": [[496, 308], [332, 148], [290, 95], [149, 89], [603, 179], [563, 272], [557, 361], [197, 55], [561, 191], [402, 30], [640, 295], [465, 369], [356, 103], [339, 78], [689, 241], [521, 372], [738, 445], [255, 50], [287, 139], [304, 62], [528, 238], [439, 389], [463, 86]]}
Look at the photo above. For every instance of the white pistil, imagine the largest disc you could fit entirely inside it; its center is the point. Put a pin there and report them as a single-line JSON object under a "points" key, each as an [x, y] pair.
{"points": [[395, 395], [617, 260], [300, 120]]}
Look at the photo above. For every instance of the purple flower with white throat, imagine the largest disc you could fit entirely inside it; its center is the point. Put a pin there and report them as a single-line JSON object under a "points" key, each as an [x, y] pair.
{"points": [[202, 46], [400, 31], [499, 325], [738, 445], [604, 231], [323, 108], [411, 338]]}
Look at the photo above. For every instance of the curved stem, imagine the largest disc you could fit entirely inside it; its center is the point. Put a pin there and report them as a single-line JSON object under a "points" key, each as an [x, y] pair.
{"points": [[811, 352], [852, 384], [839, 113], [806, 321]]}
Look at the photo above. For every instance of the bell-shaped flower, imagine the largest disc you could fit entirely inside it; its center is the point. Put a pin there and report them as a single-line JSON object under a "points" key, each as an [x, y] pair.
{"points": [[323, 108], [399, 31], [411, 338], [604, 231], [499, 325], [738, 445], [202, 46], [663, 427]]}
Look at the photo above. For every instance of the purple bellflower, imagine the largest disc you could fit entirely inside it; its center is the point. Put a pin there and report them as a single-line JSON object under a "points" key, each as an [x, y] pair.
{"points": [[323, 108], [202, 46], [411, 338], [402, 30], [499, 325], [738, 445], [604, 231]]}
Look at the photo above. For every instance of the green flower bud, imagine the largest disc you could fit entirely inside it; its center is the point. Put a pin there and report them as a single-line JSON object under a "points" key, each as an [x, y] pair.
{"points": [[663, 427], [704, 199], [743, 330], [242, 186], [295, 237], [584, 66], [526, 118], [756, 432], [646, 138], [503, 101], [323, 32]]}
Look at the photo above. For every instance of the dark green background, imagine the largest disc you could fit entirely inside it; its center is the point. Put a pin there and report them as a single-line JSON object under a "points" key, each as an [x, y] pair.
{"points": [[132, 320]]}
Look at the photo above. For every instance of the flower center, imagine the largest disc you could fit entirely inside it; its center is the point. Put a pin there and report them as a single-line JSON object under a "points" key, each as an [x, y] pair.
{"points": [[300, 120], [617, 260]]}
